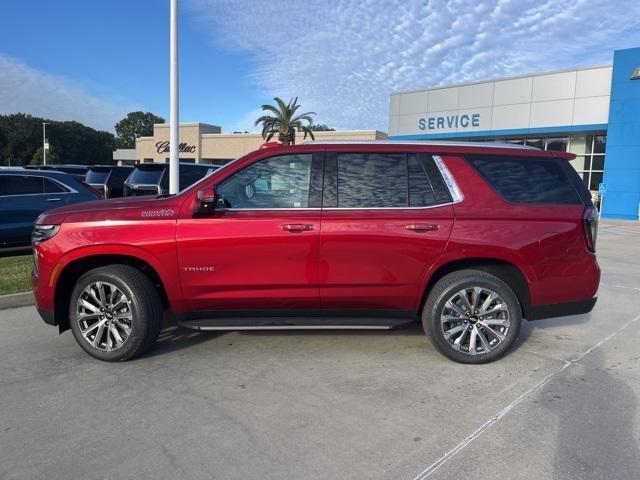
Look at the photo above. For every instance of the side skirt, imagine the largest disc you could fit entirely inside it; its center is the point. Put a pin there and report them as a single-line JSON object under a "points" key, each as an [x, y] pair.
{"points": [[291, 321]]}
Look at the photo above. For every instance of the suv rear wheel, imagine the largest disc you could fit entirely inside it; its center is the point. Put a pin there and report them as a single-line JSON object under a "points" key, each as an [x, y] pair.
{"points": [[115, 312], [472, 316]]}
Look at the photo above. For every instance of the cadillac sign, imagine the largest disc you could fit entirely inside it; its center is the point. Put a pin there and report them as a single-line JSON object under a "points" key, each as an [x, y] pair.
{"points": [[163, 147]]}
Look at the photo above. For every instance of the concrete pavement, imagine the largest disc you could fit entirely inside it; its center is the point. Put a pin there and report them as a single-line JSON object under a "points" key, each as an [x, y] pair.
{"points": [[274, 405]]}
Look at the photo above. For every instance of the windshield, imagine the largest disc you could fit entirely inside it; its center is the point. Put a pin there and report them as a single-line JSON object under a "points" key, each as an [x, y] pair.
{"points": [[97, 176], [149, 177]]}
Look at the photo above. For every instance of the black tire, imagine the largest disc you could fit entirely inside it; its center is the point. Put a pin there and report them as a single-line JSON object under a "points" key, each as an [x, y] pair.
{"points": [[144, 306], [443, 291]]}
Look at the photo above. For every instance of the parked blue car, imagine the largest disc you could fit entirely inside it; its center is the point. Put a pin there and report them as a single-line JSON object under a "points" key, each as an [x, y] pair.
{"points": [[25, 194]]}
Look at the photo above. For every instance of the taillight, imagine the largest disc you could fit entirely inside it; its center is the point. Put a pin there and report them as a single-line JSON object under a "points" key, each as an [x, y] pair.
{"points": [[590, 225]]}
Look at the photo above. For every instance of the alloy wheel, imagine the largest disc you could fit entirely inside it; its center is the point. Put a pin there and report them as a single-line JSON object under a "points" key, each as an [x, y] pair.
{"points": [[475, 320], [104, 316]]}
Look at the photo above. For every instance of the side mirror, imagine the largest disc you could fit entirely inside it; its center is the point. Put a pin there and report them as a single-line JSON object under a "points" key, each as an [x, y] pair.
{"points": [[206, 201]]}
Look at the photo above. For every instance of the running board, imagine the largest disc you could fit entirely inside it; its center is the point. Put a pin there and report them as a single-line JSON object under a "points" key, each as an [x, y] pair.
{"points": [[292, 323], [195, 326]]}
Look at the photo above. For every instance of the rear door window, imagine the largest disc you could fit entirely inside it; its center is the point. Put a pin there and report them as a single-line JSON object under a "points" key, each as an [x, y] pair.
{"points": [[53, 187], [21, 185], [372, 180], [528, 180], [382, 180]]}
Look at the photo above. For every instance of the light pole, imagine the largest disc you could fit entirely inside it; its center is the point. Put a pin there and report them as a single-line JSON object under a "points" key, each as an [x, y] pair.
{"points": [[174, 125], [45, 145]]}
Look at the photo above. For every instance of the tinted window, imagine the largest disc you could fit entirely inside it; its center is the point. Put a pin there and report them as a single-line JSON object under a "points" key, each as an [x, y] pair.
{"points": [[119, 175], [151, 177], [52, 187], [276, 182], [383, 180], [528, 180], [21, 185], [190, 175], [97, 176], [372, 180], [426, 186]]}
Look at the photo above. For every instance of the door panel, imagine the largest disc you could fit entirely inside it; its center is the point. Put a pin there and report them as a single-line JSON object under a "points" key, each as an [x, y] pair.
{"points": [[246, 260], [22, 199], [259, 249], [386, 219], [375, 259]]}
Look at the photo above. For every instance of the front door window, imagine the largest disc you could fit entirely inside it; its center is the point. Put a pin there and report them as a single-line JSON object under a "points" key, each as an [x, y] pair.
{"points": [[274, 183]]}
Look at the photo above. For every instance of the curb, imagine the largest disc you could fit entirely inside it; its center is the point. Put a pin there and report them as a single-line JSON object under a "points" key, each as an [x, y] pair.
{"points": [[14, 300]]}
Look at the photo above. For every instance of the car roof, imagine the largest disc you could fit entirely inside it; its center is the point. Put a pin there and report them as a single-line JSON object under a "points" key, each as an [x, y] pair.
{"points": [[63, 176], [430, 143], [429, 146]]}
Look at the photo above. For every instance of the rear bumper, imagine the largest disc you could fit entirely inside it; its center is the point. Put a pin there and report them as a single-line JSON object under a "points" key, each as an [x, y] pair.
{"points": [[539, 312]]}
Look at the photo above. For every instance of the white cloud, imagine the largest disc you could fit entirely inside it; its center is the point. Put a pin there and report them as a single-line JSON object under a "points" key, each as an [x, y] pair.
{"points": [[28, 90], [344, 57], [245, 123]]}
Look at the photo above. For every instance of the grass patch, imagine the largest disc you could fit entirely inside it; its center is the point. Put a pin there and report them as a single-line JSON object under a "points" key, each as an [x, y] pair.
{"points": [[15, 274]]}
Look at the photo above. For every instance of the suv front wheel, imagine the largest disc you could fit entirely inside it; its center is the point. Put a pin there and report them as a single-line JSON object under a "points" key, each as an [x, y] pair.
{"points": [[115, 312], [472, 316]]}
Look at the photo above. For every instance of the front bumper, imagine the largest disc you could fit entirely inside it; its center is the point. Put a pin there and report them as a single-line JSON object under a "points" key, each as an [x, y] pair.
{"points": [[539, 312], [47, 316]]}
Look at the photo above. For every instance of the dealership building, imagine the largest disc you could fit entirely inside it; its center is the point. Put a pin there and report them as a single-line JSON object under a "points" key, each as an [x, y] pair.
{"points": [[593, 112], [204, 143]]}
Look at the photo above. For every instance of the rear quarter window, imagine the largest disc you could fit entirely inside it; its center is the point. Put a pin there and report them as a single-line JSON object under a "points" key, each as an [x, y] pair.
{"points": [[529, 180]]}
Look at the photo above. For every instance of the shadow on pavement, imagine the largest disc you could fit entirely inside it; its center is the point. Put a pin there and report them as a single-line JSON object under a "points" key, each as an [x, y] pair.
{"points": [[174, 338], [595, 424], [528, 327]]}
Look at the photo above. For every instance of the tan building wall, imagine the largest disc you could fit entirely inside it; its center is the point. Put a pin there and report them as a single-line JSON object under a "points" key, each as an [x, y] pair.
{"points": [[204, 143]]}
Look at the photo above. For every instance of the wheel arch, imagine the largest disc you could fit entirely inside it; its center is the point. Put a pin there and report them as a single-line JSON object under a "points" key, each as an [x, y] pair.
{"points": [[504, 270], [74, 269]]}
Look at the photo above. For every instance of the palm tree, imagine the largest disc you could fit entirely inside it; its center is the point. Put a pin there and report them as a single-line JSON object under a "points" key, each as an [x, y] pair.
{"points": [[285, 122]]}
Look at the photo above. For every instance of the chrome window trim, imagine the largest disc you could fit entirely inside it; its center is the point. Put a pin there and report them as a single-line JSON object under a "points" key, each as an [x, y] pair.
{"points": [[266, 209], [391, 208], [452, 187], [450, 182]]}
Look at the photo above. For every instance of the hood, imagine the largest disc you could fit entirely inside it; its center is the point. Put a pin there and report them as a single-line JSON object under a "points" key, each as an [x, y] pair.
{"points": [[114, 209]]}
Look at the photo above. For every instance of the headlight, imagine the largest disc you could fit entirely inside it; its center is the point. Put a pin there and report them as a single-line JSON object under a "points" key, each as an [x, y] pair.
{"points": [[43, 232]]}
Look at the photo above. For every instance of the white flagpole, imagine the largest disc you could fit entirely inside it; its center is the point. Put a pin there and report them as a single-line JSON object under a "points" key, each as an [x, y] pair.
{"points": [[174, 122]]}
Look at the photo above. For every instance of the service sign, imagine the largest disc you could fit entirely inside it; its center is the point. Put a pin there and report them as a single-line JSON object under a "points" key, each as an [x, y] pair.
{"points": [[449, 122]]}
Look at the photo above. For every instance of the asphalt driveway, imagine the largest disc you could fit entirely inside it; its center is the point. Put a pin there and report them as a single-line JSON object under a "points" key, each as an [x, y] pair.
{"points": [[334, 405]]}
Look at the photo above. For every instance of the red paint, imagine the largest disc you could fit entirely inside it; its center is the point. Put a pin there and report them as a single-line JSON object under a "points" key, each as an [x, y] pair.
{"points": [[333, 259]]}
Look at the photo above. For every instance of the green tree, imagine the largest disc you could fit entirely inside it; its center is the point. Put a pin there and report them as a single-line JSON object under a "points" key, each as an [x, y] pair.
{"points": [[135, 123], [52, 157], [321, 127], [285, 122]]}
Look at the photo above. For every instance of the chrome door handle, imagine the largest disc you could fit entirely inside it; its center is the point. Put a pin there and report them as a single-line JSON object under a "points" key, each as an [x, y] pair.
{"points": [[422, 227], [53, 199], [297, 227]]}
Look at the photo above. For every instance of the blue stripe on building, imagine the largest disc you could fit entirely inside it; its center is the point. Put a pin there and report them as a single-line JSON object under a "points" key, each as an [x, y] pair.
{"points": [[622, 165], [501, 133]]}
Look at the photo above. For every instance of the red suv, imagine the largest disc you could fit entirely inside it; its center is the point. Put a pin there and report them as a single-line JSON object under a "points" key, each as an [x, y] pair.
{"points": [[469, 238]]}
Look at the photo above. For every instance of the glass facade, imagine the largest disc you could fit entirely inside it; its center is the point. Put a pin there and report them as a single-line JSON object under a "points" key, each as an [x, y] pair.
{"points": [[589, 148]]}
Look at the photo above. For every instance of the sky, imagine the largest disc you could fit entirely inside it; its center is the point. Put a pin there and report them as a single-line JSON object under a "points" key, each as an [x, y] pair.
{"points": [[93, 61]]}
